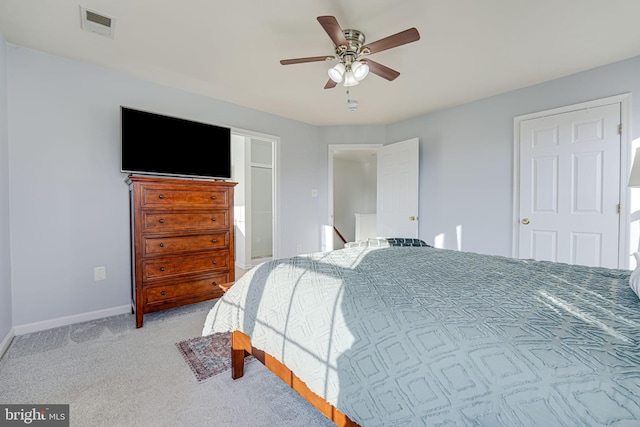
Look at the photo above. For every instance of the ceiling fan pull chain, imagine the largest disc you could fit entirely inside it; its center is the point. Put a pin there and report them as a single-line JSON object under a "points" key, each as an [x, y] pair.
{"points": [[352, 104]]}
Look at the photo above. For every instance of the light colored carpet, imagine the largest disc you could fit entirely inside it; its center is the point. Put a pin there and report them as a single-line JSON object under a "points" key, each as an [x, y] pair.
{"points": [[113, 374]]}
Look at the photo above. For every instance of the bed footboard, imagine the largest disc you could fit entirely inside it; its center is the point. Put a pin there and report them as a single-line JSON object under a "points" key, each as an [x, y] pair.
{"points": [[241, 346]]}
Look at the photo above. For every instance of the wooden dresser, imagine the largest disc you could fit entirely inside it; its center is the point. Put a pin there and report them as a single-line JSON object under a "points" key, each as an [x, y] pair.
{"points": [[182, 235]]}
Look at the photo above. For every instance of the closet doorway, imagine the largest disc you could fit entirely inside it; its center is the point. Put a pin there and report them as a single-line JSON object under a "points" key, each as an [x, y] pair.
{"points": [[570, 175], [254, 169]]}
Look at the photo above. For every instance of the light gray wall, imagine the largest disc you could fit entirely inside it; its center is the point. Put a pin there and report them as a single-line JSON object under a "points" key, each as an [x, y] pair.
{"points": [[68, 200], [5, 258], [68, 203], [466, 154]]}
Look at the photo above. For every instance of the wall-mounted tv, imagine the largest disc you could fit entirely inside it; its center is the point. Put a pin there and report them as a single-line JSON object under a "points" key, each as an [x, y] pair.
{"points": [[162, 145]]}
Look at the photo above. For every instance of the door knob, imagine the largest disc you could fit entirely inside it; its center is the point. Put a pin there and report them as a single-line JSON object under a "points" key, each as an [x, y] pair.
{"points": [[412, 218], [525, 221]]}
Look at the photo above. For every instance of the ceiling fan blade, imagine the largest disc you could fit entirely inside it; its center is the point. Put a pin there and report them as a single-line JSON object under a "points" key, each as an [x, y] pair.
{"points": [[303, 60], [403, 37], [382, 70], [330, 84], [331, 26]]}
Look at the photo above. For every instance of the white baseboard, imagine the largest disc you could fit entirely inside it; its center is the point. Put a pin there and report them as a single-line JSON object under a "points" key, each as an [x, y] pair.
{"points": [[69, 320], [254, 262], [258, 261], [6, 342], [244, 267]]}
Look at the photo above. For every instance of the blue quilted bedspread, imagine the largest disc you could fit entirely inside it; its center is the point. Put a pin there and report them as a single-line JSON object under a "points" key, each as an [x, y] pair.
{"points": [[421, 336]]}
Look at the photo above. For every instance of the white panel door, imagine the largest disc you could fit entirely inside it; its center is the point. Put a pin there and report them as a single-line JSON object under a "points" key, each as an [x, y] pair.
{"points": [[397, 189], [570, 187]]}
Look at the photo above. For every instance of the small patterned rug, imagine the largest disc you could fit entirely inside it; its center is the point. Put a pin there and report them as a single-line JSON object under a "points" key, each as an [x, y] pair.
{"points": [[208, 356]]}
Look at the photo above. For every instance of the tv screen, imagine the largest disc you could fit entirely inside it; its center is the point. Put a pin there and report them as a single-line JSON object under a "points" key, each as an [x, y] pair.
{"points": [[163, 145]]}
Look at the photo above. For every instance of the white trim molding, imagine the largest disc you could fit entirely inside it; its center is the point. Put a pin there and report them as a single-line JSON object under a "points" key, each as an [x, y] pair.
{"points": [[70, 320], [6, 342]]}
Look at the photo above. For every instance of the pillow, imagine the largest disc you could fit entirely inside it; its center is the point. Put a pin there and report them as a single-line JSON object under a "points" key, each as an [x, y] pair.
{"points": [[370, 242], [358, 244], [385, 242], [407, 242], [634, 280]]}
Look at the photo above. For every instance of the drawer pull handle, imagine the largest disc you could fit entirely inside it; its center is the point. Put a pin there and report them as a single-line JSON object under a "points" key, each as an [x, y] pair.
{"points": [[161, 268], [162, 245], [215, 283], [162, 293], [215, 262], [213, 197], [161, 196], [161, 221], [214, 241], [213, 219]]}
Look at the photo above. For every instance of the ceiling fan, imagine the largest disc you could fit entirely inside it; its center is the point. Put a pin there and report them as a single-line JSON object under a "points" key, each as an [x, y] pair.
{"points": [[351, 52]]}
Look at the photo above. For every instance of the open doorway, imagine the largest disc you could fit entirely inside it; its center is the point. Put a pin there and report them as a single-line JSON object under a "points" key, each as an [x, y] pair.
{"points": [[373, 192], [352, 192], [254, 169]]}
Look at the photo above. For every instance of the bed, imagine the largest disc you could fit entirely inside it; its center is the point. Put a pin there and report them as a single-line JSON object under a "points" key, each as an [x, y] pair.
{"points": [[394, 336]]}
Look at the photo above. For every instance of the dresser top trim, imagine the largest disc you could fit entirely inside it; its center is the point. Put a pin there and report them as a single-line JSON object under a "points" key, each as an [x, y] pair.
{"points": [[155, 179]]}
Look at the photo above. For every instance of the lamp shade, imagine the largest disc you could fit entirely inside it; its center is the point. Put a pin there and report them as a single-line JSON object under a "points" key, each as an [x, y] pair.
{"points": [[360, 70], [634, 178], [336, 72], [349, 79]]}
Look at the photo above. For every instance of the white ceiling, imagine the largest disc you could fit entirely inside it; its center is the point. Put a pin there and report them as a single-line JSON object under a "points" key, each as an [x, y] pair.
{"points": [[230, 50]]}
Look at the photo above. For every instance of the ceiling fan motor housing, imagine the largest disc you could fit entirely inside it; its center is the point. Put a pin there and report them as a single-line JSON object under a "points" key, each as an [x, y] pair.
{"points": [[355, 41]]}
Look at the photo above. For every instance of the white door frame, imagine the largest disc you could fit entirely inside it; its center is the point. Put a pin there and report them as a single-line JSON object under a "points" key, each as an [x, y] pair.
{"points": [[625, 155], [275, 183]]}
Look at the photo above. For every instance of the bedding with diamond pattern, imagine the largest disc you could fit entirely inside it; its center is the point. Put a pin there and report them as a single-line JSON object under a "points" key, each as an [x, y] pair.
{"points": [[421, 336]]}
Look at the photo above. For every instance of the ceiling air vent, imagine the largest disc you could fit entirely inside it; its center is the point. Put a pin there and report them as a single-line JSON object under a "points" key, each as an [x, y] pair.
{"points": [[96, 22]]}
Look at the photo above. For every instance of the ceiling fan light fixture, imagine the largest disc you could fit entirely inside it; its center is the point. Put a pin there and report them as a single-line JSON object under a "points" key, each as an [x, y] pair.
{"points": [[336, 72], [360, 70], [349, 46], [350, 79]]}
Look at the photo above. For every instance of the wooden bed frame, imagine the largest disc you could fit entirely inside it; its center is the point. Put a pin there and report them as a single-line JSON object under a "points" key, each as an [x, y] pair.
{"points": [[241, 347]]}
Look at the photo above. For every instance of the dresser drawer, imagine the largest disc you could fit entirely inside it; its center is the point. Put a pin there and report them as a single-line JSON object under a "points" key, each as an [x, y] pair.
{"points": [[154, 221], [176, 266], [189, 196], [179, 244], [194, 288]]}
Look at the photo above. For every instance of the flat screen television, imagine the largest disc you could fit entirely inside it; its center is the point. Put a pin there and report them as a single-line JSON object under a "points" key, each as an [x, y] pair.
{"points": [[163, 145]]}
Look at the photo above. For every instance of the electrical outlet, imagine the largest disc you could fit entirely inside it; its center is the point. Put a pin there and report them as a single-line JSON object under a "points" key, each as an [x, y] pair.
{"points": [[100, 273], [299, 248]]}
